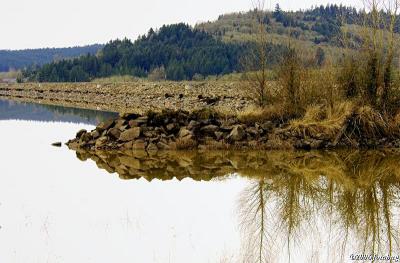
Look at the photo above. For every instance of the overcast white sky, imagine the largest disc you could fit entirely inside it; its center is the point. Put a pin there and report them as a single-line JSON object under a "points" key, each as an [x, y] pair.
{"points": [[62, 23]]}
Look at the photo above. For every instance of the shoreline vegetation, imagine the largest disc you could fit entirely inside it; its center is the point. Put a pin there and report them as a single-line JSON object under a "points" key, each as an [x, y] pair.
{"points": [[353, 193], [303, 101], [206, 129]]}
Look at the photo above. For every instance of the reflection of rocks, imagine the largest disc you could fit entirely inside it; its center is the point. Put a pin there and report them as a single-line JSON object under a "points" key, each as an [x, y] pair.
{"points": [[171, 130], [165, 165], [169, 165], [347, 193]]}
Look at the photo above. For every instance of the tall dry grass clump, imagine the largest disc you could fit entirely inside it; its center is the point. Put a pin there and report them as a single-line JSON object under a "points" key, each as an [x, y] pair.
{"points": [[320, 122], [355, 98], [369, 123], [346, 122], [369, 73], [276, 113]]}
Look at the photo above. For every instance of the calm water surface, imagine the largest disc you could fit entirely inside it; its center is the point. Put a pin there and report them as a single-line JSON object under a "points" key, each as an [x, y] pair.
{"points": [[57, 205]]}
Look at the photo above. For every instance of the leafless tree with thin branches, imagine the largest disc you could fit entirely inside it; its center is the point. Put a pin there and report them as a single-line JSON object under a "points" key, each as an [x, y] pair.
{"points": [[255, 62]]}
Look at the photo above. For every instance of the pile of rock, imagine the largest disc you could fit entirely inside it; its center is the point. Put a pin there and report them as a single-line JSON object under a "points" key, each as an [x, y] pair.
{"points": [[171, 130]]}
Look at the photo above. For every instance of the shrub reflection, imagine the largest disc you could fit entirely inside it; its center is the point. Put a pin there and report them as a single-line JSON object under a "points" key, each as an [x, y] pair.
{"points": [[353, 195]]}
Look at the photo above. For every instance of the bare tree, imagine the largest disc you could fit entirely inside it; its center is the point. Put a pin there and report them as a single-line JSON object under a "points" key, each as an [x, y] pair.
{"points": [[392, 8], [371, 32], [370, 71], [255, 62], [379, 24]]}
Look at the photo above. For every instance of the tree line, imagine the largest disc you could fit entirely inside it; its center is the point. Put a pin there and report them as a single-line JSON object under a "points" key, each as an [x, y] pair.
{"points": [[20, 59], [174, 52]]}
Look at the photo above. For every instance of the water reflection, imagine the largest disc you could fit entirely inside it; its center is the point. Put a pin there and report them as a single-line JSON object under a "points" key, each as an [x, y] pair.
{"points": [[12, 110], [326, 205]]}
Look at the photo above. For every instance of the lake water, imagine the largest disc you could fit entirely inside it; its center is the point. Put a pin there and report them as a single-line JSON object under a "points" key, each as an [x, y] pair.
{"points": [[57, 205]]}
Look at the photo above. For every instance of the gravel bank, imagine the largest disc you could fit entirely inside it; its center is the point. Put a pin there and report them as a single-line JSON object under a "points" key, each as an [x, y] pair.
{"points": [[137, 97]]}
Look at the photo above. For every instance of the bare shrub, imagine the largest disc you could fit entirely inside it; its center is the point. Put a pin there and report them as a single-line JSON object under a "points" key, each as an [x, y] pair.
{"points": [[290, 77], [255, 61]]}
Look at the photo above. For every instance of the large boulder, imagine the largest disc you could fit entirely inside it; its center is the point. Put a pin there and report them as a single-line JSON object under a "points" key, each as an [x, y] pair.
{"points": [[138, 122], [102, 141], [237, 133], [119, 123], [95, 134], [184, 132], [209, 129], [193, 125], [114, 133], [150, 134], [253, 131], [130, 135], [267, 126], [86, 137], [80, 133], [105, 125], [171, 126]]}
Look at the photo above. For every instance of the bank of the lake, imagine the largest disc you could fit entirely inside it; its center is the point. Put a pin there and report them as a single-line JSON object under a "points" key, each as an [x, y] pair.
{"points": [[139, 96], [177, 204], [208, 115], [209, 130]]}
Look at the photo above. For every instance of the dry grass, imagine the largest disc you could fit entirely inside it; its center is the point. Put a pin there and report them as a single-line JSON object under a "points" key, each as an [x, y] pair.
{"points": [[370, 123], [396, 120], [318, 121], [275, 113], [117, 79]]}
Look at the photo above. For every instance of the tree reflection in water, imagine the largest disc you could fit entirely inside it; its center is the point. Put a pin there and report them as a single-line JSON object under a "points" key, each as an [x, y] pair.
{"points": [[356, 195], [348, 199]]}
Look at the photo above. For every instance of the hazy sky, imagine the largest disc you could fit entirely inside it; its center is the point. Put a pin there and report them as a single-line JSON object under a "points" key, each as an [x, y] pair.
{"points": [[61, 23]]}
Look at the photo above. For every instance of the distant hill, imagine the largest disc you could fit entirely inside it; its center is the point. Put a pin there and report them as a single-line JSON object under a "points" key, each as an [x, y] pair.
{"points": [[317, 25], [174, 52], [181, 52], [19, 59]]}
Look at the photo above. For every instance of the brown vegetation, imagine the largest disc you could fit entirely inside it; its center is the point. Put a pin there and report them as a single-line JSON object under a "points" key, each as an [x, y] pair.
{"points": [[356, 98]]}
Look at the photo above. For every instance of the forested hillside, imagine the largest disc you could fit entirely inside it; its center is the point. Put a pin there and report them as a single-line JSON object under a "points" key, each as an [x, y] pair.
{"points": [[174, 52], [19, 59], [316, 25], [180, 52]]}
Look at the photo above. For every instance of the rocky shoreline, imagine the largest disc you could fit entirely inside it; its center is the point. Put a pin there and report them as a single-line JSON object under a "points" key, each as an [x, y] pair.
{"points": [[208, 130], [140, 96], [173, 130]]}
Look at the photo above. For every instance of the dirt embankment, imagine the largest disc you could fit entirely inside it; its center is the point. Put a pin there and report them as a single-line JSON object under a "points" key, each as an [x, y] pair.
{"points": [[136, 97]]}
